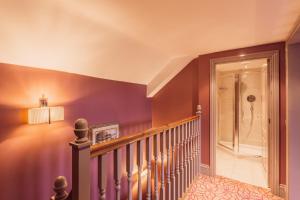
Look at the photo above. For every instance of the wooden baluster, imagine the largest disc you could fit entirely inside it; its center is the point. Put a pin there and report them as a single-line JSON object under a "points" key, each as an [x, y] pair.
{"points": [[178, 155], [197, 145], [102, 176], [188, 154], [196, 153], [155, 151], [162, 186], [168, 147], [191, 152], [182, 182], [173, 183], [117, 173], [184, 157], [199, 139], [59, 188], [140, 168], [199, 150], [194, 149], [129, 167], [81, 161], [198, 121], [148, 159]]}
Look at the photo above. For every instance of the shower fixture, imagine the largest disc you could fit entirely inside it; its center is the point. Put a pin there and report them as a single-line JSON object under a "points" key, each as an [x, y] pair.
{"points": [[251, 99]]}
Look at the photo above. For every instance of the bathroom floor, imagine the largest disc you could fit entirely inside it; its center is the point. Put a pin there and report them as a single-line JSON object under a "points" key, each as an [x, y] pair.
{"points": [[245, 169]]}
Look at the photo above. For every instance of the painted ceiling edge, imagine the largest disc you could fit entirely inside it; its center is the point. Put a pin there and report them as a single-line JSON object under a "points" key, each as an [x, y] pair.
{"points": [[167, 73], [294, 31], [70, 72], [179, 63]]}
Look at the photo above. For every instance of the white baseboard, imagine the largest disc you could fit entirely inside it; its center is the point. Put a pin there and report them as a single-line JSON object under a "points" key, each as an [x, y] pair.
{"points": [[283, 191]]}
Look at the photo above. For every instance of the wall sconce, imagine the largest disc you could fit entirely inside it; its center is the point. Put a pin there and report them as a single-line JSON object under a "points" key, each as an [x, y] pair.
{"points": [[45, 114]]}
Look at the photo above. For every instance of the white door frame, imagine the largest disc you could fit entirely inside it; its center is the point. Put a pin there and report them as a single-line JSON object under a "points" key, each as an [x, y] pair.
{"points": [[273, 112]]}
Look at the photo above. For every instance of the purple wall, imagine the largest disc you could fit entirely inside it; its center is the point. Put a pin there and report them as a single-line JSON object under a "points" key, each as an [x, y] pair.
{"points": [[293, 120], [32, 156], [178, 98]]}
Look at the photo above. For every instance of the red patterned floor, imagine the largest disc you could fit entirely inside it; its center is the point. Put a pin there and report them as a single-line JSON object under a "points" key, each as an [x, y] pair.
{"points": [[220, 188]]}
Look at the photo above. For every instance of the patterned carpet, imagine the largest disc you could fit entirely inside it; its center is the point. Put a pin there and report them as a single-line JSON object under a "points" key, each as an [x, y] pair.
{"points": [[220, 188]]}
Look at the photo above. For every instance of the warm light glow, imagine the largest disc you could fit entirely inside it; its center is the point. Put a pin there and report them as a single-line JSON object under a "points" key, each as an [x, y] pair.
{"points": [[144, 173]]}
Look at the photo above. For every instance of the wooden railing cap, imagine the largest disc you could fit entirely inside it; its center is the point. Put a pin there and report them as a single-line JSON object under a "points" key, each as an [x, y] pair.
{"points": [[81, 130], [60, 185], [199, 110]]}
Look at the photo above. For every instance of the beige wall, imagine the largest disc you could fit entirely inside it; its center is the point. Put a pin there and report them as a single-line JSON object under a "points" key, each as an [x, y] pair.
{"points": [[251, 132]]}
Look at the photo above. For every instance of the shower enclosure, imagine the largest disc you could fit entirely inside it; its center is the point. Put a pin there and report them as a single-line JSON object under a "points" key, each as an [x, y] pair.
{"points": [[242, 115]]}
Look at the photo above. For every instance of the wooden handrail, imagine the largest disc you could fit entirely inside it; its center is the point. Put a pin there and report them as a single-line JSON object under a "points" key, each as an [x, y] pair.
{"points": [[178, 142], [174, 124], [105, 147]]}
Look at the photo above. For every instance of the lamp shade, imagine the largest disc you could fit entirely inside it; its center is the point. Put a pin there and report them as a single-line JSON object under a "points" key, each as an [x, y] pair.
{"points": [[56, 113], [45, 115], [38, 115]]}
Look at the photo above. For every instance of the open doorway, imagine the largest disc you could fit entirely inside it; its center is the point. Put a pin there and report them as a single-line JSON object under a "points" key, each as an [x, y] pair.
{"points": [[244, 119]]}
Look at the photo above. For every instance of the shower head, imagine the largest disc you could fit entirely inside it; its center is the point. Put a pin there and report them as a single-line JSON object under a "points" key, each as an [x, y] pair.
{"points": [[251, 98]]}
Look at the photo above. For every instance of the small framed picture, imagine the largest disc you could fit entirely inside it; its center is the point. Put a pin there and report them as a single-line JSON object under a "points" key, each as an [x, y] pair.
{"points": [[103, 132]]}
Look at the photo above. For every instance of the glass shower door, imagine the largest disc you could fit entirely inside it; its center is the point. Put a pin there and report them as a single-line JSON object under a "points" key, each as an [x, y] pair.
{"points": [[225, 109]]}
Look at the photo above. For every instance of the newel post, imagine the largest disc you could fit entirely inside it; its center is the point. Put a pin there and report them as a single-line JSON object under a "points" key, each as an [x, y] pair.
{"points": [[81, 162], [199, 110], [59, 188]]}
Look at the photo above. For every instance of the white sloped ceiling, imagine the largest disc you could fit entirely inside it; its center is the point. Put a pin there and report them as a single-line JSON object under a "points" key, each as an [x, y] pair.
{"points": [[135, 40]]}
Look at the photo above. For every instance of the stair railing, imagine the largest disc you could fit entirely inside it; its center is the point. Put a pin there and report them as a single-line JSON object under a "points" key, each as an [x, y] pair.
{"points": [[179, 143]]}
